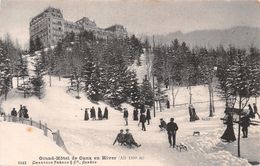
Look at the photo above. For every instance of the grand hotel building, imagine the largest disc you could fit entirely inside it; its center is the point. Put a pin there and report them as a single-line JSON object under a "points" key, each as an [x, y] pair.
{"points": [[51, 27]]}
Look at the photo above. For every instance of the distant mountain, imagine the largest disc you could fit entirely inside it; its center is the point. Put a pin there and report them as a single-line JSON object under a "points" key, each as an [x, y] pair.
{"points": [[240, 36]]}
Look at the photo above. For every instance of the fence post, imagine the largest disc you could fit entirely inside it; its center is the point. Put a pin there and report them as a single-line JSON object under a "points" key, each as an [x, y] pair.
{"points": [[9, 119], [40, 124], [4, 118], [31, 121], [45, 130], [58, 138]]}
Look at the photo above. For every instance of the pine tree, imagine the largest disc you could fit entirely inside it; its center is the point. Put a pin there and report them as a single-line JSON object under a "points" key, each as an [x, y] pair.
{"points": [[134, 90], [94, 87], [39, 72], [241, 82], [147, 96], [5, 73]]}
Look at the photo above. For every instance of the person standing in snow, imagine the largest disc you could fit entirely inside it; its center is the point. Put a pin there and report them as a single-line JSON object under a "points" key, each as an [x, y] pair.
{"points": [[14, 114], [143, 120], [245, 123], [229, 135], [120, 138], [99, 114], [172, 128], [105, 113], [255, 110], [148, 116], [135, 114], [125, 116], [93, 113], [168, 104], [20, 112], [130, 139], [25, 112], [86, 117], [251, 111]]}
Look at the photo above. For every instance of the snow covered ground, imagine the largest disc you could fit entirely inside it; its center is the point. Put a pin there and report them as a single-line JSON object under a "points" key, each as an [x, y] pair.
{"points": [[24, 143], [63, 111]]}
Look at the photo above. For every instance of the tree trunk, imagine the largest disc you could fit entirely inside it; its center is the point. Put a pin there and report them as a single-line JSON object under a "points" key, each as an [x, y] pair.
{"points": [[17, 81], [210, 101], [153, 99], [24, 89], [238, 137], [173, 97], [212, 97], [50, 79], [190, 94]]}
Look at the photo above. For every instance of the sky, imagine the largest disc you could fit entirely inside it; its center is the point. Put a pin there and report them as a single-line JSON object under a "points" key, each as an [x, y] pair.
{"points": [[138, 16]]}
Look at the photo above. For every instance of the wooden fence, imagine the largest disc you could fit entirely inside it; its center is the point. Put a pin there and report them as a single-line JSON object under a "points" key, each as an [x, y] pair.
{"points": [[43, 126]]}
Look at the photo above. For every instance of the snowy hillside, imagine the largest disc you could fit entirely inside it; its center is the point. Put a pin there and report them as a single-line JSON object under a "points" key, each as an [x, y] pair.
{"points": [[63, 111], [24, 143], [94, 138]]}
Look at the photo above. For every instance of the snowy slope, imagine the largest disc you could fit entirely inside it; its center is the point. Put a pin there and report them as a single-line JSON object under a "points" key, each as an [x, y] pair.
{"points": [[63, 111], [24, 143]]}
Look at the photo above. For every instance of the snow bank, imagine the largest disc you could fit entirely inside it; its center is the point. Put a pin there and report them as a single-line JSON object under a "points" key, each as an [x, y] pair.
{"points": [[24, 143]]}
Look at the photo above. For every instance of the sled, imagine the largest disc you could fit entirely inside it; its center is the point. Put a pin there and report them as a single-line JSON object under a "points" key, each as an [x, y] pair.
{"points": [[181, 147]]}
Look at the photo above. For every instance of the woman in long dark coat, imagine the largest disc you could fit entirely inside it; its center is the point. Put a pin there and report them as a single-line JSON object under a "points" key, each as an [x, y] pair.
{"points": [[105, 113], [99, 114], [148, 116], [93, 113], [229, 135], [135, 114]]}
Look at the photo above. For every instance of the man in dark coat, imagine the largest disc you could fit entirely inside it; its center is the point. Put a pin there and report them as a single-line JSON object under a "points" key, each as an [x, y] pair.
{"points": [[171, 131], [13, 112], [251, 111], [25, 112], [163, 124], [130, 139], [105, 113], [148, 116], [93, 113], [120, 138], [99, 114], [14, 115], [245, 123], [143, 120], [135, 114], [255, 110], [125, 116]]}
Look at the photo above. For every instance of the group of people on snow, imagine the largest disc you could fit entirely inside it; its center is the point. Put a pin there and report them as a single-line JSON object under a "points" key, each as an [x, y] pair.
{"points": [[245, 121], [126, 139], [100, 116], [22, 113], [145, 115]]}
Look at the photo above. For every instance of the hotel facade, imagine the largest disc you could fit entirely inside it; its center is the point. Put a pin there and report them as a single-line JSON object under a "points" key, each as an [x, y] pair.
{"points": [[51, 27]]}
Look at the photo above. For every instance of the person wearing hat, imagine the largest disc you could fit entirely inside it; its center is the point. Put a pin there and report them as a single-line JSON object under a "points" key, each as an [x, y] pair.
{"points": [[130, 139], [14, 114], [125, 116], [120, 138], [163, 124], [172, 127]]}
